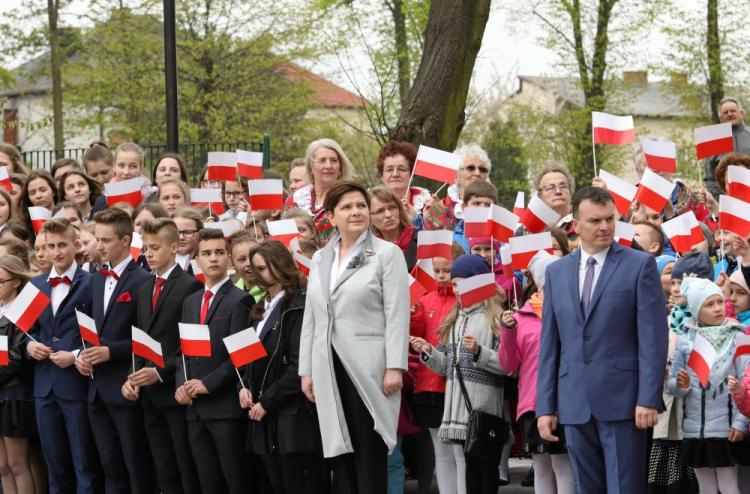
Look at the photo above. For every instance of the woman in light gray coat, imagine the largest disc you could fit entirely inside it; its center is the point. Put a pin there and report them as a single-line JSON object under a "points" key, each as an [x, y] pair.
{"points": [[354, 343]]}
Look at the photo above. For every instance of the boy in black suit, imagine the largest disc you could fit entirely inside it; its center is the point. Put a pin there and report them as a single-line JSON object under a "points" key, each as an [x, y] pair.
{"points": [[117, 423], [216, 423], [159, 307]]}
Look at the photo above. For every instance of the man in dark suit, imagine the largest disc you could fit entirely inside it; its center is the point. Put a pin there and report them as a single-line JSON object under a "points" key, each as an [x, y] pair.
{"points": [[60, 391], [603, 352], [159, 308], [217, 425], [117, 423]]}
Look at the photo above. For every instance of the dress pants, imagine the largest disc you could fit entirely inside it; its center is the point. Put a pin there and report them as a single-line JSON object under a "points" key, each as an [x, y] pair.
{"points": [[364, 471], [292, 473], [481, 478], [170, 447], [221, 461]]}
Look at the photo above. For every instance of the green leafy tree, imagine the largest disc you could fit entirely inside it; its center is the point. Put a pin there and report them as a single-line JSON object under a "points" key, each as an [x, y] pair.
{"points": [[504, 146]]}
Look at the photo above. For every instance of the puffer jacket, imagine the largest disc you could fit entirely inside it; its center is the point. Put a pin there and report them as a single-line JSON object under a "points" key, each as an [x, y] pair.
{"points": [[429, 312], [711, 412], [519, 351]]}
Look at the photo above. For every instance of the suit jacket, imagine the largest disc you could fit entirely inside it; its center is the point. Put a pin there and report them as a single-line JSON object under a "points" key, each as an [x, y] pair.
{"points": [[114, 327], [162, 325], [60, 332], [604, 363], [229, 313]]}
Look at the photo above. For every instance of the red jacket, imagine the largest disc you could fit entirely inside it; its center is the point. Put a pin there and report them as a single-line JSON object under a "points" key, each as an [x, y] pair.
{"points": [[431, 310]]}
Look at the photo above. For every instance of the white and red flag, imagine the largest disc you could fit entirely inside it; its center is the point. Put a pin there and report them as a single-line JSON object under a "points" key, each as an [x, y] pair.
{"points": [[4, 357], [476, 289], [303, 262], [197, 271], [702, 358], [249, 164], [266, 194], [538, 216], [195, 340], [283, 230], [87, 327], [475, 222], [654, 191], [424, 272], [622, 191], [128, 191], [5, 179], [244, 347], [39, 216], [207, 198], [741, 346], [438, 165], [522, 249], [228, 227], [502, 223], [146, 347], [624, 233], [612, 129], [738, 182], [222, 166], [520, 205], [434, 243], [136, 245], [713, 139], [734, 215], [661, 156], [27, 307], [506, 260], [678, 231], [416, 290], [696, 233]]}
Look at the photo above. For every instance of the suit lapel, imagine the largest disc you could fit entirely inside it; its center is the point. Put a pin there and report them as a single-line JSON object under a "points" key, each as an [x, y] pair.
{"points": [[118, 288], [171, 282], [216, 299], [325, 264], [610, 264], [575, 298], [73, 284], [366, 251]]}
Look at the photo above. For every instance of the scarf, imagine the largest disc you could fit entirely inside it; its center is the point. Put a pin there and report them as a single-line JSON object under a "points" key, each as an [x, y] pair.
{"points": [[722, 339], [536, 301], [405, 239], [678, 319]]}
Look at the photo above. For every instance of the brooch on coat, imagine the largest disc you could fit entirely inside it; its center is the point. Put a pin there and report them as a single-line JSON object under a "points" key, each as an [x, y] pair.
{"points": [[359, 260]]}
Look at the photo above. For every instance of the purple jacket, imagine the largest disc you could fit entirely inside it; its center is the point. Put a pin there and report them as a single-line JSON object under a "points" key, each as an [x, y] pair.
{"points": [[519, 351]]}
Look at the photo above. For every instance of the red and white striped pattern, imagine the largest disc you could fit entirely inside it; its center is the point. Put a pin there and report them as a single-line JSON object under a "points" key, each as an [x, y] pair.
{"points": [[654, 191], [476, 289], [207, 198], [228, 227], [502, 223], [197, 271], [249, 164], [424, 272], [661, 156], [434, 243], [622, 191], [612, 129], [713, 139], [4, 357], [741, 346], [538, 216], [702, 358], [283, 230], [738, 182], [734, 215], [624, 233], [136, 245], [27, 307], [506, 260], [128, 191], [266, 194], [195, 340], [5, 179], [435, 164], [475, 222], [39, 216], [146, 347], [244, 347], [678, 231], [522, 249], [520, 205], [87, 327], [416, 290], [222, 166]]}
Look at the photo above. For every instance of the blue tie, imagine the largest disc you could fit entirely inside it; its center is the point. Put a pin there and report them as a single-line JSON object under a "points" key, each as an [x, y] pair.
{"points": [[588, 283]]}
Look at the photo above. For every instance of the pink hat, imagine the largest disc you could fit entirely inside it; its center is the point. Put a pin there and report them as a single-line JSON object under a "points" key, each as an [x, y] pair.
{"points": [[484, 241]]}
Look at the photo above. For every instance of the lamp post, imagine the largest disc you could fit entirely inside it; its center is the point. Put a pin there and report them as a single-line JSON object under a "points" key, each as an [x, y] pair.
{"points": [[170, 76]]}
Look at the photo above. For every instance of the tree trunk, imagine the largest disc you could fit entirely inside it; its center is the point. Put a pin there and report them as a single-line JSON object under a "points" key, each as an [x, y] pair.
{"points": [[713, 49], [53, 7], [434, 112], [402, 50]]}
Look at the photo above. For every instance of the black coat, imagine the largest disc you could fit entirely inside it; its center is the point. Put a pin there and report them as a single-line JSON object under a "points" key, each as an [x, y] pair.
{"points": [[290, 425], [20, 370]]}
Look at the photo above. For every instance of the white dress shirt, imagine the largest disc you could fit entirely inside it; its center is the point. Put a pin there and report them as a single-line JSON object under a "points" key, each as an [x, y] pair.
{"points": [[339, 267], [59, 292], [164, 276], [214, 289], [110, 283], [600, 258], [269, 307], [183, 260]]}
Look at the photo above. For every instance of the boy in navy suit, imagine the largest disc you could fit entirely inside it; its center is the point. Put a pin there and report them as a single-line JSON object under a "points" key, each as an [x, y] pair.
{"points": [[60, 391], [117, 423]]}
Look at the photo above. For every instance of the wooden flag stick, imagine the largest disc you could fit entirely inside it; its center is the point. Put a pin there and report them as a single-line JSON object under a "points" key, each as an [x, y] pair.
{"points": [[411, 177], [439, 189], [184, 367], [83, 342], [239, 377], [31, 337], [133, 357]]}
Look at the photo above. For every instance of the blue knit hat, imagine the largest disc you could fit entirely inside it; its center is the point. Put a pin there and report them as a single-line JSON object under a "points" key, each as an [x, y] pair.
{"points": [[663, 261], [467, 266], [695, 264]]}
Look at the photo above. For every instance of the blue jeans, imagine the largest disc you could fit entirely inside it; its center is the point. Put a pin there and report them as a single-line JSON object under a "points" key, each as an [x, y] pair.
{"points": [[396, 469]]}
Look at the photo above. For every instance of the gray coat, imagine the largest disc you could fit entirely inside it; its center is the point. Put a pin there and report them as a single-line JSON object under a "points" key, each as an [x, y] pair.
{"points": [[365, 318], [741, 136]]}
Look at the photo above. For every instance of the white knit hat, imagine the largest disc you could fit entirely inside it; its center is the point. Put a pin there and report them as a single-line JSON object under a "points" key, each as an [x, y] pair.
{"points": [[538, 265]]}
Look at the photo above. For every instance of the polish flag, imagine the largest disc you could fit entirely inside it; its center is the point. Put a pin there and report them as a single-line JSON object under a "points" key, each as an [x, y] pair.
{"points": [[5, 179], [228, 227], [713, 139], [434, 243], [59, 215], [741, 346], [702, 357], [538, 216], [738, 182], [39, 216], [506, 260], [520, 204], [128, 191], [249, 164], [207, 198], [476, 289], [27, 307], [661, 156], [734, 215], [425, 274], [197, 271], [303, 262], [624, 233], [612, 129], [244, 347], [522, 249], [475, 222], [416, 290], [87, 327], [502, 223], [146, 347], [4, 357], [696, 233], [136, 245], [437, 165], [654, 191], [283, 230], [622, 191], [222, 166], [266, 194], [195, 340], [678, 231]]}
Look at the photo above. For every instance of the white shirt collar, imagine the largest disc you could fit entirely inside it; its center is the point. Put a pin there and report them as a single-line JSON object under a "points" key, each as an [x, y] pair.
{"points": [[215, 289], [166, 273], [122, 265], [357, 244], [271, 305], [183, 260], [600, 256], [70, 273]]}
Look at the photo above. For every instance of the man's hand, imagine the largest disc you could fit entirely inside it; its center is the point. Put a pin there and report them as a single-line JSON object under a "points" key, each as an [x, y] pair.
{"points": [[646, 417], [307, 388], [392, 381], [182, 397], [83, 366], [62, 359], [38, 351], [195, 387], [129, 392], [144, 377], [95, 355], [547, 424], [257, 412]]}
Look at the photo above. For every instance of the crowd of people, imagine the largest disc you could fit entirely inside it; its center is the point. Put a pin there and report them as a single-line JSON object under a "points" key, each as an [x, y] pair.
{"points": [[585, 358]]}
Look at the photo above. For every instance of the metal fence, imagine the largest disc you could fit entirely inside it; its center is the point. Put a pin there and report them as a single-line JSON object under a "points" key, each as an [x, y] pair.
{"points": [[195, 155]]}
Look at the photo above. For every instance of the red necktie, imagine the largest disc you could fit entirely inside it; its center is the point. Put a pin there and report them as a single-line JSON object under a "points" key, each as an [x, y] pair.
{"points": [[206, 304], [53, 282], [159, 283], [108, 272]]}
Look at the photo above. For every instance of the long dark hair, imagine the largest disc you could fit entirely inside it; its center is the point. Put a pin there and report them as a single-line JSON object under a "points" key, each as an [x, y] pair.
{"points": [[282, 267], [95, 189]]}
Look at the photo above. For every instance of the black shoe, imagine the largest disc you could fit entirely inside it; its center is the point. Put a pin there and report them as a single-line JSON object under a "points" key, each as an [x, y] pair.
{"points": [[502, 482], [528, 480]]}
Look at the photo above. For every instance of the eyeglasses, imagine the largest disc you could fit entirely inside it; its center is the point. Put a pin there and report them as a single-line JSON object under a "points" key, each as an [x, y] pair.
{"points": [[547, 189], [473, 168], [233, 193], [188, 233], [2, 282], [323, 161], [393, 209], [401, 170]]}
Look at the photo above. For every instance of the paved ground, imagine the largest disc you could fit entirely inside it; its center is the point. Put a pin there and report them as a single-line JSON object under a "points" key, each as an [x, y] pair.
{"points": [[518, 469]]}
